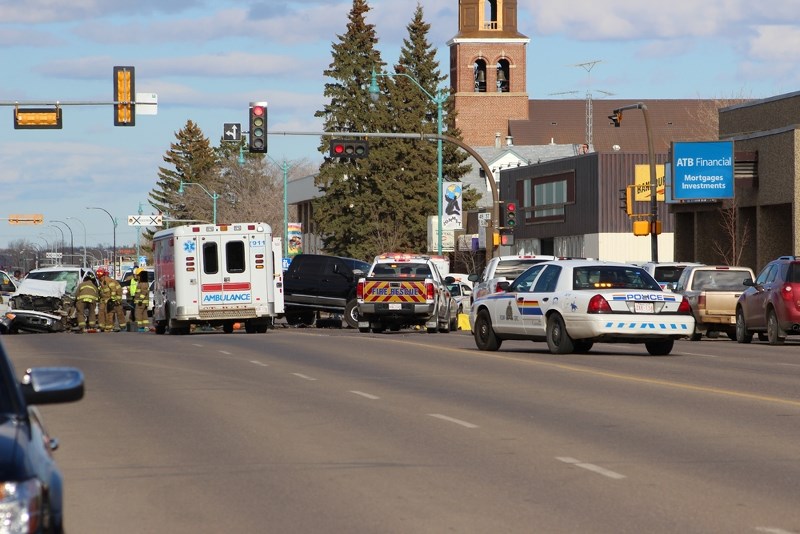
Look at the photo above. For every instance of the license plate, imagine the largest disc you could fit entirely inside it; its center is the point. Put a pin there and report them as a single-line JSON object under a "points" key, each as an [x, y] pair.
{"points": [[395, 306], [643, 307]]}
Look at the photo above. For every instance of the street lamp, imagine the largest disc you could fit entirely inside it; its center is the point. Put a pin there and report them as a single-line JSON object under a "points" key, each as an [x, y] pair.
{"points": [[71, 240], [84, 239], [214, 196], [114, 249], [439, 99], [616, 116], [62, 234]]}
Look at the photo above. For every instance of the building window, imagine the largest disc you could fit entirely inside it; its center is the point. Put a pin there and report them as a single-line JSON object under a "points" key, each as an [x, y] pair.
{"points": [[479, 71], [502, 76], [544, 198]]}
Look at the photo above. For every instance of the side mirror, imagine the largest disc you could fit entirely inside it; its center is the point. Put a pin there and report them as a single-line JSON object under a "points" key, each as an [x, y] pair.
{"points": [[473, 277], [748, 282]]}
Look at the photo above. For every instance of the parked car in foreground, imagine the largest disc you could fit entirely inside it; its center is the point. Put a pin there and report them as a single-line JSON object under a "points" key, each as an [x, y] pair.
{"points": [[31, 485], [712, 292], [572, 304], [771, 303]]}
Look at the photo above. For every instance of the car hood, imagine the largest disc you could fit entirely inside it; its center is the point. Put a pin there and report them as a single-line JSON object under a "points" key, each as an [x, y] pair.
{"points": [[42, 288], [10, 434]]}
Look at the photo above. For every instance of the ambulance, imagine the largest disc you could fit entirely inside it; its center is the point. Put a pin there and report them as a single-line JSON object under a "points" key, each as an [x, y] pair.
{"points": [[217, 275]]}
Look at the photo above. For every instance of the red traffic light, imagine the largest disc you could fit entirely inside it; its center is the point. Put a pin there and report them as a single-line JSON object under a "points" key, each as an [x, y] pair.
{"points": [[338, 149], [349, 148], [258, 111], [511, 207]]}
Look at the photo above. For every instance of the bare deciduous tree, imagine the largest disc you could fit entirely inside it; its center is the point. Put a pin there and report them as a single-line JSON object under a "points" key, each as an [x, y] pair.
{"points": [[734, 238]]}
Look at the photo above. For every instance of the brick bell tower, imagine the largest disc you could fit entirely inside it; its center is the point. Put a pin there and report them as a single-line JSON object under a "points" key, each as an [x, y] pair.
{"points": [[487, 70]]}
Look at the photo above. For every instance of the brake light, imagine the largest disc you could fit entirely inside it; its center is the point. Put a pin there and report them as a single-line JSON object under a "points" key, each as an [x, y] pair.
{"points": [[598, 304], [786, 292], [684, 308], [429, 291], [360, 290], [701, 301]]}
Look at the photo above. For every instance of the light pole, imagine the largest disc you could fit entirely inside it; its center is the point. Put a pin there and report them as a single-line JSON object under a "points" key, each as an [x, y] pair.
{"points": [[439, 99], [84, 239], [114, 245], [214, 196], [617, 118], [62, 235], [71, 240]]}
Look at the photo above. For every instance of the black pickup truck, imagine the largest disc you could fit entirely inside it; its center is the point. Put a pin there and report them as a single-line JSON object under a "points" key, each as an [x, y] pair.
{"points": [[319, 283]]}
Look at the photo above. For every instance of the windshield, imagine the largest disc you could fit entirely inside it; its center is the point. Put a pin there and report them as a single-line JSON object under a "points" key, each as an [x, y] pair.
{"points": [[595, 277], [511, 269], [70, 277]]}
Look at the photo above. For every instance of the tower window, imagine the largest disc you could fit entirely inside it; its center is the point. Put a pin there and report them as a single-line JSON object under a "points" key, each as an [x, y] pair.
{"points": [[479, 68], [502, 76], [490, 21]]}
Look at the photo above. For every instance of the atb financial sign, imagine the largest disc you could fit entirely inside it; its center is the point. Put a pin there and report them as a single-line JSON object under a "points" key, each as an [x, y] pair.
{"points": [[702, 170]]}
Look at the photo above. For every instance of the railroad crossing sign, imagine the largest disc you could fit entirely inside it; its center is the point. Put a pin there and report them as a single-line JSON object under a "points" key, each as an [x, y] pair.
{"points": [[145, 220], [232, 131]]}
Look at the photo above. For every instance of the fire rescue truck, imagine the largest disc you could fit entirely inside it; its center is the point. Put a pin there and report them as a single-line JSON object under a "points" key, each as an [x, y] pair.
{"points": [[217, 275]]}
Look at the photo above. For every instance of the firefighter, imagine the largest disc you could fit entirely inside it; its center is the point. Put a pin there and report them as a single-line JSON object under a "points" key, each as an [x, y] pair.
{"points": [[141, 301], [86, 300], [111, 314]]}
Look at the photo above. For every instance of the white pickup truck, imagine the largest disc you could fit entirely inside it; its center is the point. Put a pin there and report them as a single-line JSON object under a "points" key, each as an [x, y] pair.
{"points": [[502, 269]]}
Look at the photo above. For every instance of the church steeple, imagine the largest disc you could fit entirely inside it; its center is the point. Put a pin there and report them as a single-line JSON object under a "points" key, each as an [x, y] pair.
{"points": [[487, 69]]}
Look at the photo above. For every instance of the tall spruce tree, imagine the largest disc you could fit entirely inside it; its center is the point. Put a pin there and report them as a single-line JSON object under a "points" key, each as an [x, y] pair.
{"points": [[190, 159], [418, 113], [354, 213]]}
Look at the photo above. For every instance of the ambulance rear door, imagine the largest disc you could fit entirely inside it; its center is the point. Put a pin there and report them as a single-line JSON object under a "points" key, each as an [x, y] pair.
{"points": [[224, 271]]}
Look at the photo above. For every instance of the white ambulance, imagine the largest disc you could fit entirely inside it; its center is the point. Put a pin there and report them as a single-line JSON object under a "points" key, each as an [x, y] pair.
{"points": [[217, 275]]}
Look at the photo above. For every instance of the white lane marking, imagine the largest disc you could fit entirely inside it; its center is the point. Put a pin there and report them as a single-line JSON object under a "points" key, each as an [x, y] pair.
{"points": [[226, 352], [591, 467], [367, 395], [773, 530], [453, 420], [259, 363], [305, 377]]}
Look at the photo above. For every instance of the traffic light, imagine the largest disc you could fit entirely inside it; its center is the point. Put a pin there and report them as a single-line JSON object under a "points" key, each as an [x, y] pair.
{"points": [[258, 127], [124, 97], [626, 200], [346, 148], [37, 118], [511, 215], [616, 118]]}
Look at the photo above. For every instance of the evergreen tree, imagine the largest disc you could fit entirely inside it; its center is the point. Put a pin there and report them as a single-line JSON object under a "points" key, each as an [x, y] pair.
{"points": [[191, 160], [354, 213]]}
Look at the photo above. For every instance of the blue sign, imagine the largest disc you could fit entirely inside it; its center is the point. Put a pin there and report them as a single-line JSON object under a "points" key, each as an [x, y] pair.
{"points": [[702, 170]]}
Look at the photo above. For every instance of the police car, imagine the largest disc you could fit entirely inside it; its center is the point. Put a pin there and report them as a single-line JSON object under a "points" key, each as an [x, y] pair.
{"points": [[572, 304]]}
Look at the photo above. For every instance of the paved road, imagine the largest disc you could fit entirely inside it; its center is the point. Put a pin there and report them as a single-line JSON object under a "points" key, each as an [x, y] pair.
{"points": [[317, 430]]}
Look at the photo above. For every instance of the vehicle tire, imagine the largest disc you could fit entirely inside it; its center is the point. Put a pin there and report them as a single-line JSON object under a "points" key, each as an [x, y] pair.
{"points": [[583, 346], [660, 348], [227, 327], [485, 338], [161, 327], [351, 315], [363, 329], [742, 334], [454, 323], [445, 326], [558, 340], [731, 335], [696, 336], [250, 327], [774, 331]]}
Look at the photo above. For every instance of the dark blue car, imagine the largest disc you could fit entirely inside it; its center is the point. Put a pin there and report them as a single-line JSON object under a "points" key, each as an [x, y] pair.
{"points": [[30, 482]]}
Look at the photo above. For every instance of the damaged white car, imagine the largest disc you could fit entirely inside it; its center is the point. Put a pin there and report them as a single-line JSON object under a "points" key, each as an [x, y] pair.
{"points": [[44, 301]]}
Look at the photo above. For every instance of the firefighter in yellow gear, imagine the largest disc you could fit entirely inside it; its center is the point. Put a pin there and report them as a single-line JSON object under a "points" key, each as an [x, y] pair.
{"points": [[86, 300], [141, 301], [111, 313]]}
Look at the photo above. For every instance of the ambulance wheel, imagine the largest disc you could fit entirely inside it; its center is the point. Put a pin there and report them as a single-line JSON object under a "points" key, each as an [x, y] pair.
{"points": [[250, 327], [161, 327], [227, 327]]}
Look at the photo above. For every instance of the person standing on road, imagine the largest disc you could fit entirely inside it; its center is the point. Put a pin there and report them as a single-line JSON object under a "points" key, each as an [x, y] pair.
{"points": [[86, 301], [111, 314], [141, 301]]}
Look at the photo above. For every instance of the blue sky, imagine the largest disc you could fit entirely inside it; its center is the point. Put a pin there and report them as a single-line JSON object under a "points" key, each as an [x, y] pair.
{"points": [[206, 60]]}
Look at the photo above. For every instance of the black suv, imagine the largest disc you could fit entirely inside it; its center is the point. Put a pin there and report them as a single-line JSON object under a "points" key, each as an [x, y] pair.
{"points": [[316, 282]]}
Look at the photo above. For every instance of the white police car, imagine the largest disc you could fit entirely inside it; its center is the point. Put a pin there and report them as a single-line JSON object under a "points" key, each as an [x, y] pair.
{"points": [[572, 304]]}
